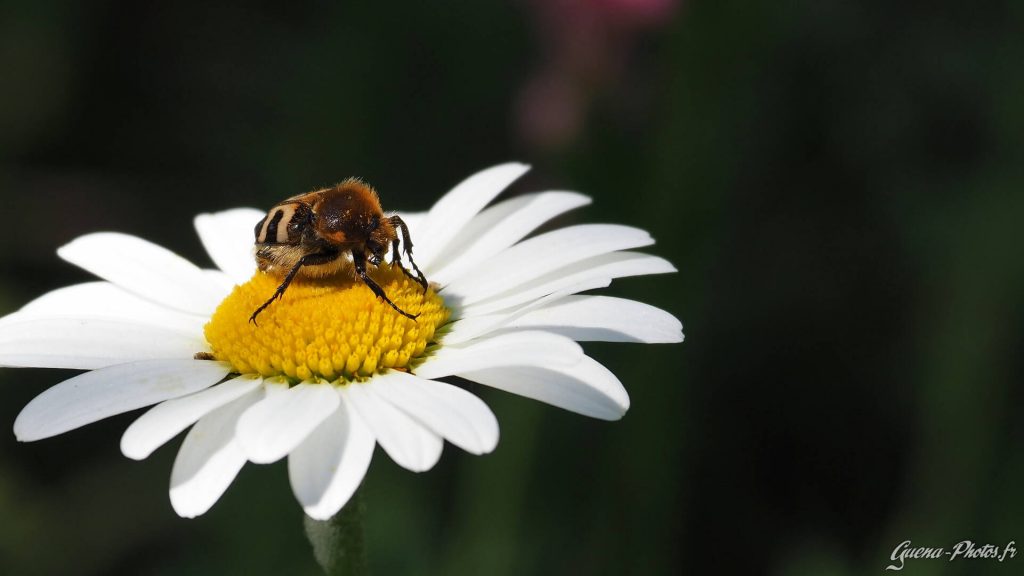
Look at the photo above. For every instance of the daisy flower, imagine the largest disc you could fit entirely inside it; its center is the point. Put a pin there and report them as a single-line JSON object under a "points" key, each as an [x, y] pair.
{"points": [[331, 370]]}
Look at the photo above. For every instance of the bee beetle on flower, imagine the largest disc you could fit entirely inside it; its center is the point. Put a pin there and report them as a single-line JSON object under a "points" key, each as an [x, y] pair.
{"points": [[311, 234], [341, 361]]}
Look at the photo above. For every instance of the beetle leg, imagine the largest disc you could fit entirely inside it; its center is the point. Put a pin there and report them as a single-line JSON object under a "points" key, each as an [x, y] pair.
{"points": [[359, 259], [396, 258], [396, 220], [318, 258], [280, 290]]}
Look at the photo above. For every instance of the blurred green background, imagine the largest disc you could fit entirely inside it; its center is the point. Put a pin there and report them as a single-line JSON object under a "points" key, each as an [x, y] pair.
{"points": [[841, 185]]}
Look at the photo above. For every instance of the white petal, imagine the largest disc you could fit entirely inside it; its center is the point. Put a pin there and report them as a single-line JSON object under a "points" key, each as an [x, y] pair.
{"points": [[87, 343], [100, 394], [454, 209], [228, 238], [145, 269], [105, 300], [451, 412], [222, 282], [585, 318], [533, 258], [515, 349], [588, 388], [164, 421], [328, 466], [472, 327], [273, 427], [209, 458], [406, 441], [499, 227], [605, 266]]}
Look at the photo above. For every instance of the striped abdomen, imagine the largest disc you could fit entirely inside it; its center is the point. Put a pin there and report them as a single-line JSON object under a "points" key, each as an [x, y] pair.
{"points": [[284, 224]]}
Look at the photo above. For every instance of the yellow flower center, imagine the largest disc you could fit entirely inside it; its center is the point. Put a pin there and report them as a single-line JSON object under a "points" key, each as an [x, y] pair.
{"points": [[334, 328]]}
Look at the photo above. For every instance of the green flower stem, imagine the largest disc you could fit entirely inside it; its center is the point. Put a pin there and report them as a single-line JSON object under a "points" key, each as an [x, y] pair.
{"points": [[338, 542]]}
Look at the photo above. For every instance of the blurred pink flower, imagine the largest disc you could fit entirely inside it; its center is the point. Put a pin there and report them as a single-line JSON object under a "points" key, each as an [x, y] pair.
{"points": [[585, 46]]}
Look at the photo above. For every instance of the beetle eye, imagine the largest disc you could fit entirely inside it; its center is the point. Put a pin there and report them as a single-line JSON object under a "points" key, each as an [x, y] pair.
{"points": [[259, 226]]}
